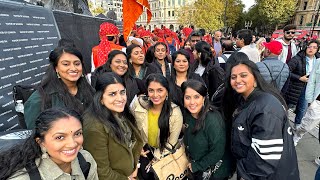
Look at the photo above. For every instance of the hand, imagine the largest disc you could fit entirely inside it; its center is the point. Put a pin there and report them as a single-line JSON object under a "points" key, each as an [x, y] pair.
{"points": [[304, 78], [190, 167], [144, 153]]}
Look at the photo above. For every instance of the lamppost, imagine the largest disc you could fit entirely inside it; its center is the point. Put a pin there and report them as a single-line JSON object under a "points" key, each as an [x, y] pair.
{"points": [[247, 24], [315, 21]]}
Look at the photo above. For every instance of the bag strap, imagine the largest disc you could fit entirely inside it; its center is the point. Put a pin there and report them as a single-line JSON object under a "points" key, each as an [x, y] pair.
{"points": [[84, 165], [33, 171], [271, 73]]}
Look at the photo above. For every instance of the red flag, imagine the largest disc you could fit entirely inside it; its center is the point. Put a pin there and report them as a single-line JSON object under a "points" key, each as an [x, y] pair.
{"points": [[132, 9]]}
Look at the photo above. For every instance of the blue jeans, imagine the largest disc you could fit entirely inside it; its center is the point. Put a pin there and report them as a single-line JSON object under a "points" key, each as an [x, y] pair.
{"points": [[317, 174], [301, 107]]}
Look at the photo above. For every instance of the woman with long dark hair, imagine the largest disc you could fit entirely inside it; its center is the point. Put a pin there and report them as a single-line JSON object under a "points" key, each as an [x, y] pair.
{"points": [[118, 63], [180, 72], [138, 67], [211, 73], [205, 134], [51, 151], [110, 130], [159, 120], [160, 58], [63, 85], [261, 137]]}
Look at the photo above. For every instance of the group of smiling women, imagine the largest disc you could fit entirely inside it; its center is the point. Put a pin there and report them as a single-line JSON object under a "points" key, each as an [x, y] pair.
{"points": [[134, 110]]}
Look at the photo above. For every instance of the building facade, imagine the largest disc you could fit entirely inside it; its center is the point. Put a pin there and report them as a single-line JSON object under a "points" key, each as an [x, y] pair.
{"points": [[306, 15], [164, 12], [108, 5]]}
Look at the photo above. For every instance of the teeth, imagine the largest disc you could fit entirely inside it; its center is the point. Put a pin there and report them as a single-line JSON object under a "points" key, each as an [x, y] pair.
{"points": [[69, 152]]}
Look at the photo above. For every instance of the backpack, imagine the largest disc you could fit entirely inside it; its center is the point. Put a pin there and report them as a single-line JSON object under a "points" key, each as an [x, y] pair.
{"points": [[34, 173], [22, 92], [273, 80]]}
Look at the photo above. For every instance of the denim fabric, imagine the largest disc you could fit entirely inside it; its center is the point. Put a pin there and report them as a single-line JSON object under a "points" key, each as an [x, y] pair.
{"points": [[301, 107], [317, 174]]}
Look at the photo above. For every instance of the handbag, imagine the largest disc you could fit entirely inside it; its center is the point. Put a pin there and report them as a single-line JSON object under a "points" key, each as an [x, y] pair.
{"points": [[172, 166]]}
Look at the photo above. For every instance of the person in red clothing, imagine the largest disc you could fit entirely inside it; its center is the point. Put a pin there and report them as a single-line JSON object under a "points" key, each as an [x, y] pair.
{"points": [[147, 41], [109, 37]]}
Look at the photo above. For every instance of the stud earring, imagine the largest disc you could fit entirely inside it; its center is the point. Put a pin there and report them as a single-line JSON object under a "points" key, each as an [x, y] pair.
{"points": [[58, 75], [82, 75], [255, 84]]}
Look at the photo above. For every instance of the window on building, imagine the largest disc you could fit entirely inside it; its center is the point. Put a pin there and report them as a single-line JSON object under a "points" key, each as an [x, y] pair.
{"points": [[172, 13], [168, 13], [305, 5], [173, 2], [312, 18], [169, 2], [179, 2], [301, 20]]}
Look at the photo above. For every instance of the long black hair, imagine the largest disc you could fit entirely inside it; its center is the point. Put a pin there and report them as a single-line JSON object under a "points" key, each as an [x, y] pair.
{"points": [[21, 155], [51, 82], [206, 54], [163, 44], [129, 51], [203, 91], [102, 113], [230, 99], [166, 111], [174, 57], [176, 91]]}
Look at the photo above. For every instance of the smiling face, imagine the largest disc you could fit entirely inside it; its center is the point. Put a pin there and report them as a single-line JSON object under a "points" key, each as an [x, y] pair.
{"points": [[63, 140], [69, 68], [119, 64], [137, 56], [193, 101], [181, 63], [160, 52], [114, 98], [157, 93], [242, 80]]}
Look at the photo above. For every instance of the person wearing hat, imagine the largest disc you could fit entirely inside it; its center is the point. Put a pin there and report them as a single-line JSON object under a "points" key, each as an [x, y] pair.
{"points": [[271, 68], [109, 37]]}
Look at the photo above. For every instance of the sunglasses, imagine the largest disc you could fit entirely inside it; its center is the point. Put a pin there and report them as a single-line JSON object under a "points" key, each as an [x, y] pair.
{"points": [[195, 40], [290, 32]]}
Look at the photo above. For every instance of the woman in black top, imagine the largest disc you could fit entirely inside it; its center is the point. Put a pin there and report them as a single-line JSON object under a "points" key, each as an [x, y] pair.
{"points": [[180, 72], [118, 63]]}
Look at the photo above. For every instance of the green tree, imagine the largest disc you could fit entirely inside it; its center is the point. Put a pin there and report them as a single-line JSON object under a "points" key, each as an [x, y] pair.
{"points": [[96, 10], [277, 11], [186, 15], [209, 14], [234, 9]]}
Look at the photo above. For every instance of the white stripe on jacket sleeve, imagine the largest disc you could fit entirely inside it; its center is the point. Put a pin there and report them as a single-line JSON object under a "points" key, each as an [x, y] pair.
{"points": [[268, 149]]}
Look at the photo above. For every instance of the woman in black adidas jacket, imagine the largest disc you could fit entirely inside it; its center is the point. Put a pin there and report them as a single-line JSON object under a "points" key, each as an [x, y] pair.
{"points": [[261, 138]]}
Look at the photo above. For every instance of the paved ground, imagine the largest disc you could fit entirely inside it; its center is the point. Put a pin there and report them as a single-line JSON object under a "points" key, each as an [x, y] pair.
{"points": [[307, 150]]}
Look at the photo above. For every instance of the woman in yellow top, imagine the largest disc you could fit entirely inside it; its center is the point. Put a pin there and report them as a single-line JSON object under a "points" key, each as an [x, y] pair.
{"points": [[158, 119]]}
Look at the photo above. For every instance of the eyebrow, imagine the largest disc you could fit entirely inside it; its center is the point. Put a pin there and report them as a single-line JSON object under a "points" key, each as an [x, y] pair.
{"points": [[66, 133]]}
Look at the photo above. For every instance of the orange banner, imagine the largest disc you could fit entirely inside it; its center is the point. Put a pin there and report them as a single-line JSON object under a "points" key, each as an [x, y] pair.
{"points": [[132, 9]]}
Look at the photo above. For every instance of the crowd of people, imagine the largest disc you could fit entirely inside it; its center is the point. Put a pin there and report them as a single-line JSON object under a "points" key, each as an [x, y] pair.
{"points": [[226, 99]]}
